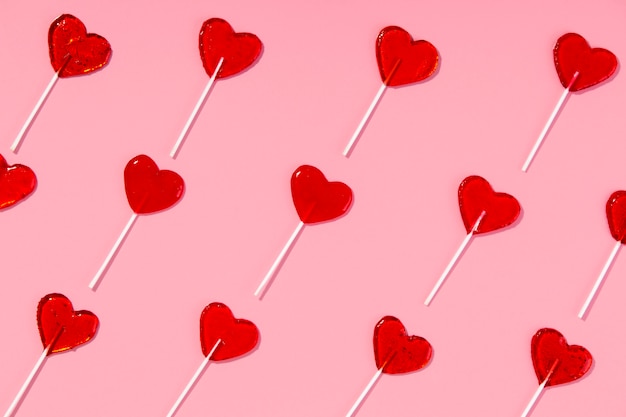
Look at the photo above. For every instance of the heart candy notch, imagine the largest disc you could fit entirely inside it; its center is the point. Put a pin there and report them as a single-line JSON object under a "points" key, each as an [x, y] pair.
{"points": [[549, 346], [315, 198], [219, 40], [149, 189], [395, 351], [401, 60], [73, 51], [475, 196], [238, 336], [573, 54], [16, 183], [60, 327]]}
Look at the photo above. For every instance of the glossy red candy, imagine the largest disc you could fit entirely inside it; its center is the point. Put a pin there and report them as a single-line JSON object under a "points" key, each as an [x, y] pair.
{"points": [[616, 215], [396, 351], [238, 336], [149, 189], [476, 196], [572, 53], [548, 346], [16, 183], [73, 50], [401, 60], [219, 40], [316, 199], [62, 328]]}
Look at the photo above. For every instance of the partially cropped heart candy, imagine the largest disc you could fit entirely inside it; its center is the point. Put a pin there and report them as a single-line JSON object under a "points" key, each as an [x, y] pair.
{"points": [[73, 51], [395, 351], [476, 196], [315, 198], [616, 215], [16, 183], [401, 60], [219, 40], [150, 189], [573, 54], [548, 347], [62, 328], [238, 336]]}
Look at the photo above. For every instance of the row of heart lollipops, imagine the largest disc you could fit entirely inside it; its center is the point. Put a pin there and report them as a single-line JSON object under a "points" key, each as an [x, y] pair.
{"points": [[401, 61]]}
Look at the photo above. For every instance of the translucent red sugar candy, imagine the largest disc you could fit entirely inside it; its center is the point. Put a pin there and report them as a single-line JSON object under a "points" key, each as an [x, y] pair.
{"points": [[218, 40], [238, 336], [16, 183], [476, 196], [572, 54], [60, 327], [401, 60], [73, 51], [395, 351], [150, 189], [548, 347], [316, 199]]}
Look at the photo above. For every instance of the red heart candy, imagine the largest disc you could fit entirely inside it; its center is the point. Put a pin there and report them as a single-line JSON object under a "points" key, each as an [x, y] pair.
{"points": [[401, 60], [238, 336], [616, 215], [149, 189], [548, 346], [316, 199], [73, 51], [572, 53], [219, 40], [397, 352], [62, 328], [16, 183], [476, 196]]}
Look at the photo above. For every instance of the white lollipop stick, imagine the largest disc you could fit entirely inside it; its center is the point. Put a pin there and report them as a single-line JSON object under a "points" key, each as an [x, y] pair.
{"points": [[193, 380], [196, 109], [279, 259], [544, 132], [33, 114], [366, 391], [368, 113], [455, 259], [537, 393], [114, 249], [598, 283], [31, 376]]}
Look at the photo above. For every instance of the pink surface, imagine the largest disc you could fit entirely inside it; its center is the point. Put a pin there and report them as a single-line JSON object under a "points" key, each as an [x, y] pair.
{"points": [[479, 114]]}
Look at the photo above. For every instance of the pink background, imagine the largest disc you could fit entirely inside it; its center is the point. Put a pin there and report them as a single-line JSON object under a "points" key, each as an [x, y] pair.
{"points": [[298, 105]]}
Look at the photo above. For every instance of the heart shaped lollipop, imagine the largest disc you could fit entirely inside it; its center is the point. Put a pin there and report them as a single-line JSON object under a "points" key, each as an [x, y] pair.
{"points": [[16, 183], [224, 53], [73, 51], [61, 328], [616, 217], [482, 210], [395, 351], [238, 336], [555, 362], [218, 41], [572, 54], [476, 196], [148, 190], [578, 66], [316, 200], [549, 346], [222, 337], [401, 60]]}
